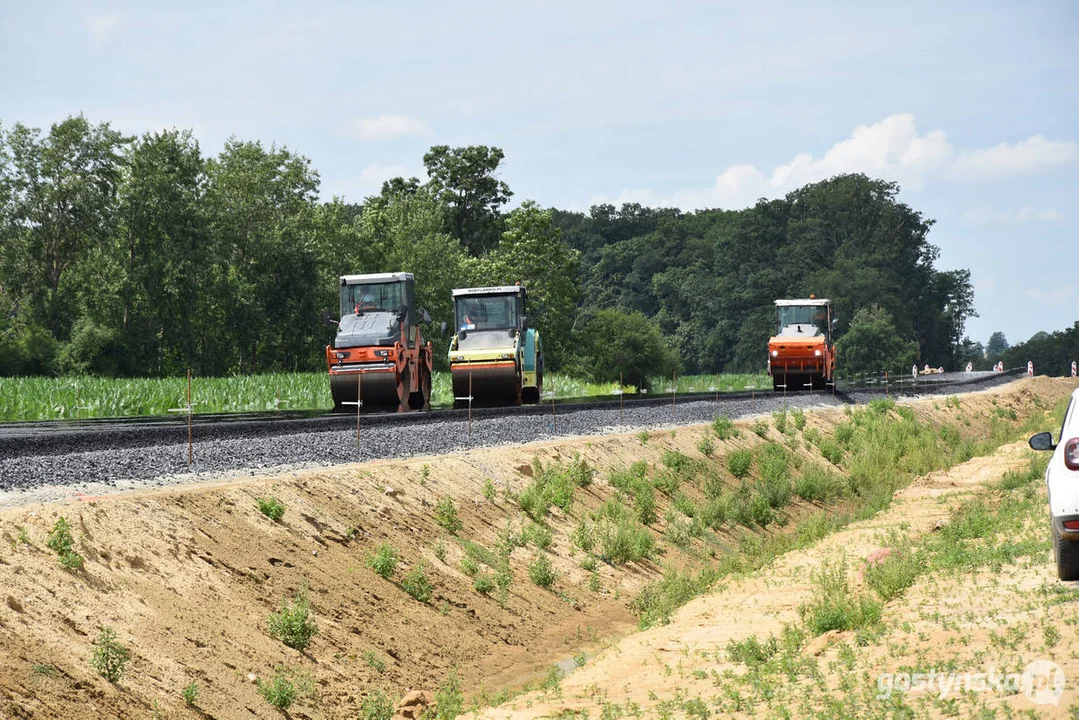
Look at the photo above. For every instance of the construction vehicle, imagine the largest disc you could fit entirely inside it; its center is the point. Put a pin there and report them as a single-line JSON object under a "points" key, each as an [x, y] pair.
{"points": [[801, 355], [495, 358], [379, 357]]}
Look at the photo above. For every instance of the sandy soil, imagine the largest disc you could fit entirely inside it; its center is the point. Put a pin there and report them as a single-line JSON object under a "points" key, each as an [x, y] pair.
{"points": [[188, 576]]}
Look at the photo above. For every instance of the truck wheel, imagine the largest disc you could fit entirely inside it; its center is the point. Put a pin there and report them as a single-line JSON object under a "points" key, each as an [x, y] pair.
{"points": [[1067, 556]]}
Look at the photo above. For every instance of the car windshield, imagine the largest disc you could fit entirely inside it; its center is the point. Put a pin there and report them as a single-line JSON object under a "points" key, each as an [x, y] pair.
{"points": [[371, 297], [487, 312], [801, 315]]}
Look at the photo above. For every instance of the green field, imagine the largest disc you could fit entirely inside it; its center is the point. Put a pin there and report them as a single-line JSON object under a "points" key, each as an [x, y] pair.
{"points": [[40, 398]]}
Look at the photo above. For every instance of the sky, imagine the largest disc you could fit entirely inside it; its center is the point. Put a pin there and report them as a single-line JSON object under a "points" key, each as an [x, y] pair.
{"points": [[973, 107]]}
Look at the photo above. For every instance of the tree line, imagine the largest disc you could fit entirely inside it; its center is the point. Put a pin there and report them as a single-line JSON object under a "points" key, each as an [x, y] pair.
{"points": [[141, 255]]}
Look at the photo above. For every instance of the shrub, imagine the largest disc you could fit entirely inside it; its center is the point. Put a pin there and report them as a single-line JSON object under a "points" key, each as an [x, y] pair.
{"points": [[449, 700], [279, 692], [271, 507], [776, 486], [539, 535], [376, 706], [844, 433], [109, 656], [760, 510], [798, 418], [620, 538], [751, 651], [894, 574], [62, 543], [440, 550], [489, 491], [779, 419], [416, 583], [656, 601], [581, 472], [383, 561], [667, 482], [374, 661], [676, 461], [739, 463], [446, 515], [833, 605], [716, 511], [294, 624], [540, 570], [551, 485], [818, 485], [760, 427], [483, 583], [190, 694], [469, 566], [583, 536], [706, 447], [724, 427], [831, 452]]}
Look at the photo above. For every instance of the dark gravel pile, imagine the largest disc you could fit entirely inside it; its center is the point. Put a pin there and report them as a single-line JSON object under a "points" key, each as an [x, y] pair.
{"points": [[332, 440]]}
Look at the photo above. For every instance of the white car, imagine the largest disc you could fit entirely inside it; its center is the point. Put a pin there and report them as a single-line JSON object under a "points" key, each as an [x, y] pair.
{"points": [[1062, 477]]}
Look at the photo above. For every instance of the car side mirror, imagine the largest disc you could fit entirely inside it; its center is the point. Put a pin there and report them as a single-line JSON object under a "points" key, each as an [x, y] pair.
{"points": [[402, 313], [1042, 441], [424, 315], [442, 328], [524, 323], [328, 319]]}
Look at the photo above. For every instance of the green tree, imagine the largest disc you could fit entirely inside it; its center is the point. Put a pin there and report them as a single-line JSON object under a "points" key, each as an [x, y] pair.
{"points": [[165, 257], [464, 179], [532, 252], [613, 343], [260, 206], [61, 213], [872, 344], [996, 346]]}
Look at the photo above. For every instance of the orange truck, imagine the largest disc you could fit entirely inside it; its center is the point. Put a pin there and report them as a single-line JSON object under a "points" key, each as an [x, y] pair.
{"points": [[379, 356], [801, 355]]}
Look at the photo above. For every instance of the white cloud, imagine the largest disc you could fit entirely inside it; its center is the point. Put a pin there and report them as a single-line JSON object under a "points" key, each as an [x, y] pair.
{"points": [[987, 216], [891, 149], [388, 127], [1028, 156], [1059, 296], [102, 28], [369, 181]]}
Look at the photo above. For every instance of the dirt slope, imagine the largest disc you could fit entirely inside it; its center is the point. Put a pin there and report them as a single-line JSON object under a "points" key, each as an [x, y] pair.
{"points": [[188, 577], [681, 660]]}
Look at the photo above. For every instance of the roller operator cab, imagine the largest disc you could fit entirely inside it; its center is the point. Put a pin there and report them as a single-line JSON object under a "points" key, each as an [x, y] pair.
{"points": [[494, 352], [378, 356], [801, 355]]}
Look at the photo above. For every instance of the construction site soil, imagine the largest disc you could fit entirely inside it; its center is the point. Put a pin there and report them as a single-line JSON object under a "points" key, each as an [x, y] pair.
{"points": [[188, 577]]}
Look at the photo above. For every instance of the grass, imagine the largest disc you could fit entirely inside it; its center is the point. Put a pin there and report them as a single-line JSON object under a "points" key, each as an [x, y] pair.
{"points": [[190, 694], [294, 624], [45, 398], [110, 657]]}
